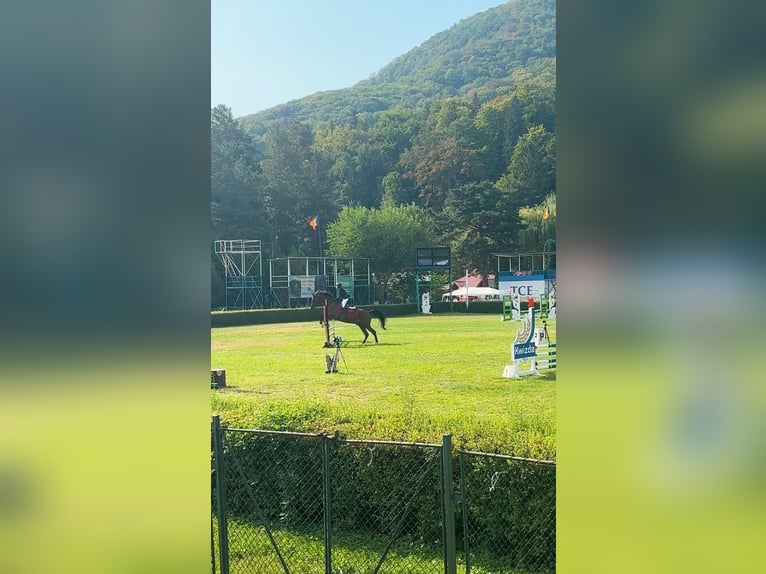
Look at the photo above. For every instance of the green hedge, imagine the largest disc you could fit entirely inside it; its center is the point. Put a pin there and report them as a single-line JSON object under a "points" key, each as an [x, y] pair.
{"points": [[262, 317], [266, 316], [473, 307]]}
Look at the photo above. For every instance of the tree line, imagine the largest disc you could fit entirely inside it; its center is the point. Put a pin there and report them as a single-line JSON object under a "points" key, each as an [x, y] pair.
{"points": [[474, 175]]}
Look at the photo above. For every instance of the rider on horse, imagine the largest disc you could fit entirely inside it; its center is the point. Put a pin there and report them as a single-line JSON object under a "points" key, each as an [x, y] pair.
{"points": [[342, 298]]}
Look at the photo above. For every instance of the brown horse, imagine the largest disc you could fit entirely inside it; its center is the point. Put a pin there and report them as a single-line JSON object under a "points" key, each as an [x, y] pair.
{"points": [[356, 315]]}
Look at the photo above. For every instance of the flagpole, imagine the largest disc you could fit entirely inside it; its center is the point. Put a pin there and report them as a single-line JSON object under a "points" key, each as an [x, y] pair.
{"points": [[314, 223], [545, 235], [466, 289], [319, 235], [545, 239]]}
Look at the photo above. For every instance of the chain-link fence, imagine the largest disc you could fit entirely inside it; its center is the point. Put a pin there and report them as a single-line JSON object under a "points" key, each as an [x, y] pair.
{"points": [[300, 503], [508, 513], [389, 495]]}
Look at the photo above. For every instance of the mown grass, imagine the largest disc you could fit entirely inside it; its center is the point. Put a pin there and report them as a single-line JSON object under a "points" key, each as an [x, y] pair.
{"points": [[429, 375], [250, 550]]}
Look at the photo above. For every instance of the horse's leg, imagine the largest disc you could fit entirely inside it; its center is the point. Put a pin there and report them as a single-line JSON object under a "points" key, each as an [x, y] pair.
{"points": [[374, 333], [364, 331]]}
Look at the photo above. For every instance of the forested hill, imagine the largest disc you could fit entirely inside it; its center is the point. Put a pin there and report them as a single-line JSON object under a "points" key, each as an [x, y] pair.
{"points": [[453, 143], [476, 57]]}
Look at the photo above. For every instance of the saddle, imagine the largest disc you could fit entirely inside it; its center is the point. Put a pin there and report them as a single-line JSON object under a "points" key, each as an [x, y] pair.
{"points": [[346, 311]]}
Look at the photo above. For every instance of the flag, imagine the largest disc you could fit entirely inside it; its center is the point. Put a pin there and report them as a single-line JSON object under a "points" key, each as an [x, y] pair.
{"points": [[313, 223], [545, 215]]}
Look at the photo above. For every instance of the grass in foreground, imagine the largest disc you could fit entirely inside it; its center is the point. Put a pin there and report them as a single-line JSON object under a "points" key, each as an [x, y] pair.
{"points": [[251, 551], [428, 376]]}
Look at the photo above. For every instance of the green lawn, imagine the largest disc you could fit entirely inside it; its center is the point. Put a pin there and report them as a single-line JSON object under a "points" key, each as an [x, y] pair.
{"points": [[251, 551], [429, 375]]}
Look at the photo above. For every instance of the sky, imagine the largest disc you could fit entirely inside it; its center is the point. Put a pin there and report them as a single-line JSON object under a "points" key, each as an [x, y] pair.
{"points": [[269, 52]]}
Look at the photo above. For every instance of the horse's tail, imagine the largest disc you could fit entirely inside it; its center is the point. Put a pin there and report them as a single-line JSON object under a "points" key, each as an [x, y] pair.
{"points": [[379, 316]]}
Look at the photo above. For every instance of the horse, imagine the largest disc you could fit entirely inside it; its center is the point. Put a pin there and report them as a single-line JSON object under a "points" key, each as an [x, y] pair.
{"points": [[355, 315]]}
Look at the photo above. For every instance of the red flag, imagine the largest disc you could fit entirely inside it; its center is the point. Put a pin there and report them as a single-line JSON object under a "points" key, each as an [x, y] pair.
{"points": [[313, 222]]}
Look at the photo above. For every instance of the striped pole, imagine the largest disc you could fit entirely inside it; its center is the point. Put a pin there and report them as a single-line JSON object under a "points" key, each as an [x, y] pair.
{"points": [[326, 327]]}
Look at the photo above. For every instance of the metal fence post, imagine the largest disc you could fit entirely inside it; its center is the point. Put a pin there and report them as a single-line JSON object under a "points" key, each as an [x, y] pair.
{"points": [[448, 493], [212, 550], [220, 488], [464, 508], [326, 504]]}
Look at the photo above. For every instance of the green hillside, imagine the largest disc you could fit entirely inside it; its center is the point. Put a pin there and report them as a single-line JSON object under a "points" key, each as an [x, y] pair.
{"points": [[476, 57]]}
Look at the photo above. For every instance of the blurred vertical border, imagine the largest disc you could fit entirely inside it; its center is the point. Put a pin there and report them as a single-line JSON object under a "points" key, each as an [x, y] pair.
{"points": [[661, 148], [104, 297]]}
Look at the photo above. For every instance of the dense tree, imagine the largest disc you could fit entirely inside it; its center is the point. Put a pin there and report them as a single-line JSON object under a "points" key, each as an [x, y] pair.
{"points": [[535, 89], [531, 175], [499, 124], [502, 121], [295, 191], [476, 224], [538, 226], [394, 132], [397, 191], [443, 154], [436, 168], [235, 182], [354, 166], [388, 236]]}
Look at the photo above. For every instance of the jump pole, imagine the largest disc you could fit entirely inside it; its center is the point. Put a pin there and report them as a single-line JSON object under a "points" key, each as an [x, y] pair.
{"points": [[327, 343]]}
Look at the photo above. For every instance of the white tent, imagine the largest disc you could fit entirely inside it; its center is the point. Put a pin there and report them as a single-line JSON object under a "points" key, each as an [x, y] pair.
{"points": [[481, 293]]}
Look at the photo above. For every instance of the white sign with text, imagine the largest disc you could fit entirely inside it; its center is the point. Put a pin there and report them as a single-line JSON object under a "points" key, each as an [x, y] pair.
{"points": [[525, 287]]}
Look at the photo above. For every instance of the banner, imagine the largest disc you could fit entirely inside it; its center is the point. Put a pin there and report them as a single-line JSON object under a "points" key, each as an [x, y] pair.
{"points": [[348, 283], [526, 283], [302, 286]]}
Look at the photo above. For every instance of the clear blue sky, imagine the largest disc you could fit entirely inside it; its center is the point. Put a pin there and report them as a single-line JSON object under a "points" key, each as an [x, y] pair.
{"points": [[268, 52]]}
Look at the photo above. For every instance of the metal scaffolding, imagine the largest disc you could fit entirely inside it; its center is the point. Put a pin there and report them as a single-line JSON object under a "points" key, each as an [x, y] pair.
{"points": [[293, 280], [241, 259], [537, 261]]}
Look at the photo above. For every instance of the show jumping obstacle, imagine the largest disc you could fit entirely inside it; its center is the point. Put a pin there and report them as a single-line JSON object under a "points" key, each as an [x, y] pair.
{"points": [[525, 348]]}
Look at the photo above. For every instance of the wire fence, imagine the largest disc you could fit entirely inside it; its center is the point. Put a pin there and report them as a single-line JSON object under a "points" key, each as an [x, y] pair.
{"points": [[300, 503], [508, 513]]}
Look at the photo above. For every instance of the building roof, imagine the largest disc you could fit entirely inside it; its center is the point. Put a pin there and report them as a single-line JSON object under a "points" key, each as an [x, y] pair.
{"points": [[474, 280]]}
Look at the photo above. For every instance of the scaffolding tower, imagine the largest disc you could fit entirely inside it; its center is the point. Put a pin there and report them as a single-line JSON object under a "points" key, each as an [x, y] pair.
{"points": [[241, 259]]}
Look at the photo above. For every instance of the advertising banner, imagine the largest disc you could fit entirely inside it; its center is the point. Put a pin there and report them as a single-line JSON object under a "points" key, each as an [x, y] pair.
{"points": [[302, 286], [526, 283]]}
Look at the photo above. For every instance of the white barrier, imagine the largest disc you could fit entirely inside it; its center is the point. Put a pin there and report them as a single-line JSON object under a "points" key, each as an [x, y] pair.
{"points": [[425, 304], [511, 308], [552, 304]]}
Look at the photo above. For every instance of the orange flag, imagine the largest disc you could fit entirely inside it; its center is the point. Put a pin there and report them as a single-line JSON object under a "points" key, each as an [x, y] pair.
{"points": [[313, 222]]}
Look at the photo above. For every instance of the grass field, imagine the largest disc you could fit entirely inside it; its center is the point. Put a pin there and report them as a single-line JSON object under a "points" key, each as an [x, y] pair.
{"points": [[250, 551], [429, 375]]}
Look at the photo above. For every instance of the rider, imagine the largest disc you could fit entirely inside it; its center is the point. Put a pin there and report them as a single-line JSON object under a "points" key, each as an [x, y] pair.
{"points": [[342, 298]]}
